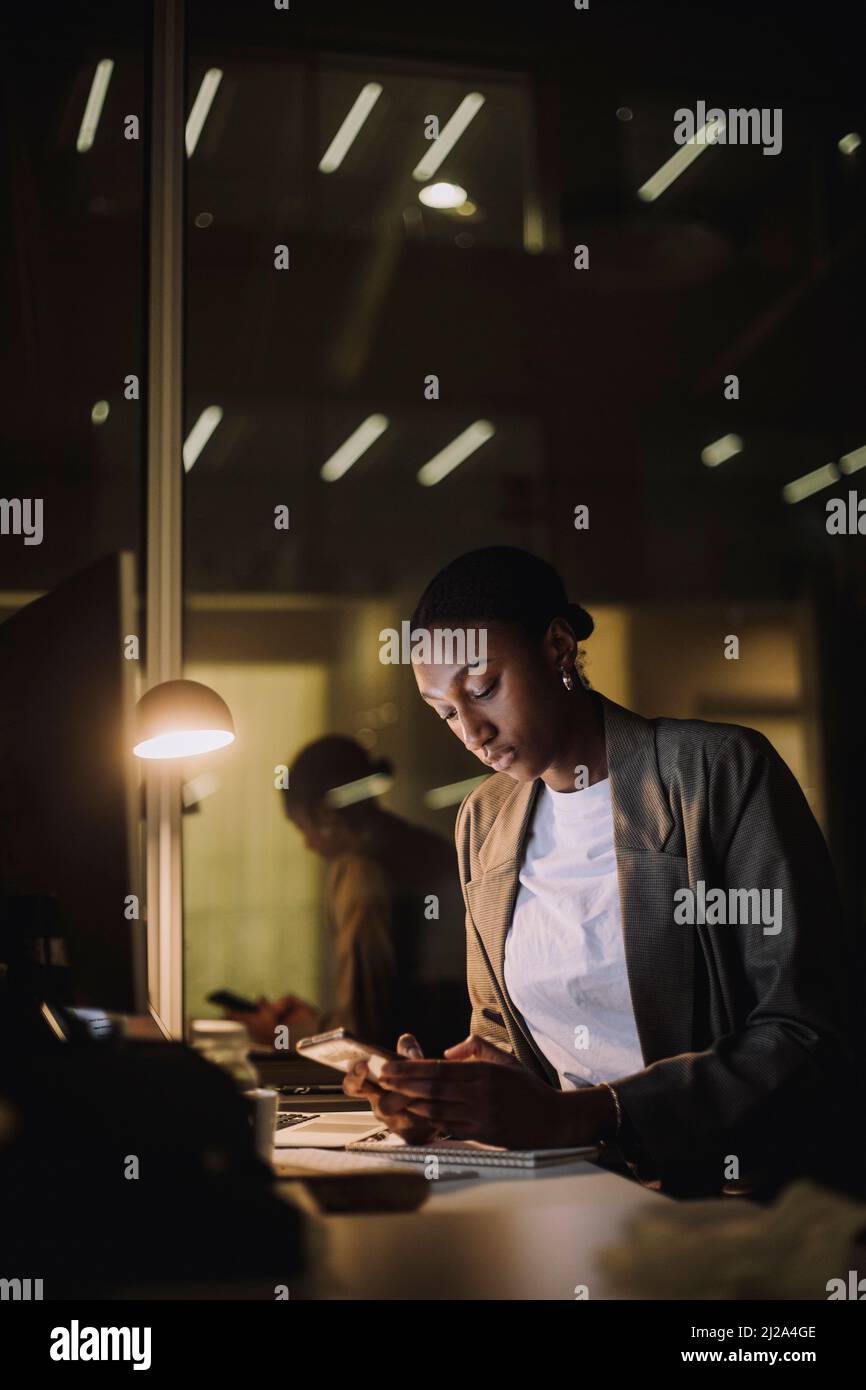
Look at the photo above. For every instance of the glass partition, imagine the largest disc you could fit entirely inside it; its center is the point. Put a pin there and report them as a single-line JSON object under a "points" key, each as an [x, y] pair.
{"points": [[73, 292], [435, 301]]}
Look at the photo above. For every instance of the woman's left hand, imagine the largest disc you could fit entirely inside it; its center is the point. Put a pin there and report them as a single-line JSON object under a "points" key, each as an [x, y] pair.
{"points": [[494, 1104]]}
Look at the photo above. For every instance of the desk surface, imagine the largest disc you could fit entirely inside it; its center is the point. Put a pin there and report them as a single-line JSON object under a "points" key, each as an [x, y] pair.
{"points": [[495, 1236]]}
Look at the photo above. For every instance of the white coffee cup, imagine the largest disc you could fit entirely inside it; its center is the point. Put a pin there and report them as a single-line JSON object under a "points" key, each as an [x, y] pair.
{"points": [[264, 1102]]}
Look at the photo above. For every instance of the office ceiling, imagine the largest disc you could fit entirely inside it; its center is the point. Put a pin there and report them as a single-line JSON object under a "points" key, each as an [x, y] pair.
{"points": [[603, 386]]}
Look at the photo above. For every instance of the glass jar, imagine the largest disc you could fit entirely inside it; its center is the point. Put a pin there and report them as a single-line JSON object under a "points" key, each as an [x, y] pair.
{"points": [[227, 1045]]}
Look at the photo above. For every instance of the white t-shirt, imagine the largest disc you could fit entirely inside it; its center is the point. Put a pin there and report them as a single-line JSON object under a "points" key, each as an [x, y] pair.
{"points": [[564, 955]]}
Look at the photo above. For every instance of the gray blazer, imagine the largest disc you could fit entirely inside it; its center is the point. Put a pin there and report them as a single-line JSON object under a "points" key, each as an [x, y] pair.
{"points": [[746, 1035]]}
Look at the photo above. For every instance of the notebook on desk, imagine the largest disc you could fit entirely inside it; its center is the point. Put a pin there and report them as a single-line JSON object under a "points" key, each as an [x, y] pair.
{"points": [[467, 1152]]}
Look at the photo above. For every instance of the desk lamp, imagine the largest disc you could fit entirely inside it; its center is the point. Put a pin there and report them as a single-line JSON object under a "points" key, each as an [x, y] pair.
{"points": [[178, 719]]}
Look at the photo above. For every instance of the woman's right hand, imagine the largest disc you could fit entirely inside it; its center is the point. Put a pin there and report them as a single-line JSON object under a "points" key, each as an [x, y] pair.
{"points": [[389, 1107]]}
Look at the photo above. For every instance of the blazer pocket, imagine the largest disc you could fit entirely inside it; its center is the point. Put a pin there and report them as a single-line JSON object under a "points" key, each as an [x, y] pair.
{"points": [[493, 1016]]}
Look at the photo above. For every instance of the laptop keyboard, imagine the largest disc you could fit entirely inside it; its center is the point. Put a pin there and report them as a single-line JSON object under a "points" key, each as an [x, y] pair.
{"points": [[286, 1118]]}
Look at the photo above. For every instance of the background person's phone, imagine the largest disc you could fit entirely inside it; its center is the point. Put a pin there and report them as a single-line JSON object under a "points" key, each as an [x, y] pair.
{"points": [[340, 1049], [236, 1002]]}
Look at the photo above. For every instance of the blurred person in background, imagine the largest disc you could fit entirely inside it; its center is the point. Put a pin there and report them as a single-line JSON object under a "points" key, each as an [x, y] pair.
{"points": [[394, 904]]}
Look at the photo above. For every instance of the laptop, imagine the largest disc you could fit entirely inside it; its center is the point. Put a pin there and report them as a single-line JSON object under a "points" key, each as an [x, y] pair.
{"points": [[329, 1130]]}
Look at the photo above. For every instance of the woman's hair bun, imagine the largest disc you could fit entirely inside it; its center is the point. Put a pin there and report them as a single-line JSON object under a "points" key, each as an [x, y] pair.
{"points": [[581, 622]]}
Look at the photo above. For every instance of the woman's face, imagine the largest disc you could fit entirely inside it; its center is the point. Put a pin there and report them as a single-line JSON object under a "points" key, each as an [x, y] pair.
{"points": [[514, 716]]}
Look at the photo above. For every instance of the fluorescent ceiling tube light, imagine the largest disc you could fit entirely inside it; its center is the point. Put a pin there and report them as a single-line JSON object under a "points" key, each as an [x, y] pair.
{"points": [[448, 137], [178, 719], [849, 463], [191, 793], [360, 790], [454, 453], [201, 106], [811, 482], [348, 132], [93, 109], [721, 450], [200, 434], [679, 162], [442, 195], [357, 444], [437, 798]]}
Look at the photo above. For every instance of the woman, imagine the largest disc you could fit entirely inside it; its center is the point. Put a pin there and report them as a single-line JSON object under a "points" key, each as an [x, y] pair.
{"points": [[393, 904], [605, 1009]]}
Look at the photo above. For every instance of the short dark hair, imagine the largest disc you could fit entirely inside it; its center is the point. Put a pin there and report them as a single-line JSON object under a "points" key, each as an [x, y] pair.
{"points": [[500, 583]]}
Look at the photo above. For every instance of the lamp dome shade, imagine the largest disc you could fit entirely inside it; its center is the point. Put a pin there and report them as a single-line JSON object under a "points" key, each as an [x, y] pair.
{"points": [[178, 719]]}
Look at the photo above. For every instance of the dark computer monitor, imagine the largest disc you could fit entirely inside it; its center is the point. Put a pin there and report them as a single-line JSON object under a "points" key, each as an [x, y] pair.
{"points": [[69, 792]]}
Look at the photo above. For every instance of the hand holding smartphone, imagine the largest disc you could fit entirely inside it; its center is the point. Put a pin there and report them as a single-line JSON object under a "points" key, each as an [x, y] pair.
{"points": [[386, 1106]]}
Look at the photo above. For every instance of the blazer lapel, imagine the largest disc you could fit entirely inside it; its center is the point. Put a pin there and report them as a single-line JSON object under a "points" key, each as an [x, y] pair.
{"points": [[659, 958], [659, 955], [491, 904]]}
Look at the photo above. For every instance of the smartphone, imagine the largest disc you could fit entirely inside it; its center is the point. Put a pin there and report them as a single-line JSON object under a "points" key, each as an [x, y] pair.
{"points": [[236, 1002], [340, 1049]]}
